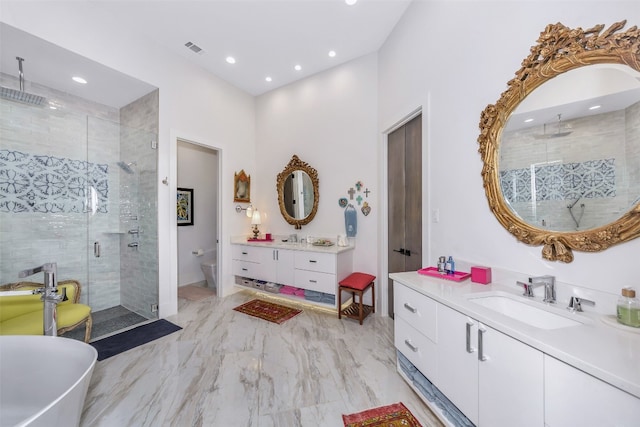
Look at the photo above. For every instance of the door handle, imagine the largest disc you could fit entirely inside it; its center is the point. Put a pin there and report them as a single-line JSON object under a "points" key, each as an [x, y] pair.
{"points": [[469, 348], [481, 331], [407, 252], [401, 250]]}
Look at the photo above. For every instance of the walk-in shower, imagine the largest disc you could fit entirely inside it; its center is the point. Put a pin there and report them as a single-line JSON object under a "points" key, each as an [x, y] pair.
{"points": [[74, 182]]}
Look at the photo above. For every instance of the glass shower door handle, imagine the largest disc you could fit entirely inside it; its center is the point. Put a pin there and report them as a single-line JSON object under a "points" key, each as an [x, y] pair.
{"points": [[96, 249]]}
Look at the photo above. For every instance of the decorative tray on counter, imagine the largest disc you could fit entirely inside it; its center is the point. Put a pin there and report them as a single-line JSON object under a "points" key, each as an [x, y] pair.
{"points": [[251, 239], [457, 276], [322, 242]]}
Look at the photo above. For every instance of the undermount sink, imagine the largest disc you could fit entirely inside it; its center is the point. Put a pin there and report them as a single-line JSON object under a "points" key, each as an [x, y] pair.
{"points": [[520, 309]]}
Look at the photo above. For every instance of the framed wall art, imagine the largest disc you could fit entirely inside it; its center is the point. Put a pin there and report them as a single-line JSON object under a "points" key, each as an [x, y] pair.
{"points": [[184, 206]]}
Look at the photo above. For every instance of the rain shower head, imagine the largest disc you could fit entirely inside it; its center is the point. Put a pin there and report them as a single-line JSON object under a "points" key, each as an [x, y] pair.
{"points": [[127, 166], [21, 95]]}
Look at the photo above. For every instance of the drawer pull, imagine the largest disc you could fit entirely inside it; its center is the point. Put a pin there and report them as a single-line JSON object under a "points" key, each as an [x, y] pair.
{"points": [[313, 281], [313, 261], [469, 349], [244, 269], [410, 308], [411, 346], [245, 253]]}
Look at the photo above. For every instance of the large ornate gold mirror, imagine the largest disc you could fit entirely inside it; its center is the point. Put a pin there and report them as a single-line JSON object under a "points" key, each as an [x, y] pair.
{"points": [[298, 193], [561, 147]]}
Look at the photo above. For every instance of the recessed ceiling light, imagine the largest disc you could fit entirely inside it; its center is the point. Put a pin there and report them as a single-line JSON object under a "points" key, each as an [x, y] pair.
{"points": [[80, 80], [350, 2], [297, 68], [268, 79], [528, 120], [594, 107], [230, 60], [332, 53]]}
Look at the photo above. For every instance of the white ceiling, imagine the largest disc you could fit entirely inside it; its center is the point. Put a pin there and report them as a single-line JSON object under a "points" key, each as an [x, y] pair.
{"points": [[266, 37]]}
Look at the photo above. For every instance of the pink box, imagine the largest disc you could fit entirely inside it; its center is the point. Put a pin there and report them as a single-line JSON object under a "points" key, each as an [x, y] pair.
{"points": [[481, 275]]}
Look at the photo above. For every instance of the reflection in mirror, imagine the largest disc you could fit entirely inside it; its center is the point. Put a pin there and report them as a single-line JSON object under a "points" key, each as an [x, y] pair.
{"points": [[556, 172], [570, 152], [298, 193]]}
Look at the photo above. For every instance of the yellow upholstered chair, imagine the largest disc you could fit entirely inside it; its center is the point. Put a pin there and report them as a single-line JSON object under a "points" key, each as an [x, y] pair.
{"points": [[23, 314]]}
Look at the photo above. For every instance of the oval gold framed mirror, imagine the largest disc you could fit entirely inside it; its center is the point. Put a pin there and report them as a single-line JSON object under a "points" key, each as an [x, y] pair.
{"points": [[298, 192], [568, 180]]}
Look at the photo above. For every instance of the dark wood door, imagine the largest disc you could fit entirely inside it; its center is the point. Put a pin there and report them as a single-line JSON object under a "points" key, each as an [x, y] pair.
{"points": [[404, 167]]}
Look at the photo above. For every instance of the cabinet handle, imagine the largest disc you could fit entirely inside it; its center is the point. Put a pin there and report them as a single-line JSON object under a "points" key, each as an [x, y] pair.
{"points": [[313, 281], [313, 261], [244, 253], [469, 349], [411, 346], [244, 269], [481, 356], [410, 308]]}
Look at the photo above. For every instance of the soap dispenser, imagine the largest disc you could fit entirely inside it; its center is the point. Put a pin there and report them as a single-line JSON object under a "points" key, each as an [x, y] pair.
{"points": [[451, 266], [628, 309]]}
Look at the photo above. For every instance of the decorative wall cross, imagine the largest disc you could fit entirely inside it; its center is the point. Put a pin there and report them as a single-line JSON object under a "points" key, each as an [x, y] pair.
{"points": [[367, 191], [351, 193]]}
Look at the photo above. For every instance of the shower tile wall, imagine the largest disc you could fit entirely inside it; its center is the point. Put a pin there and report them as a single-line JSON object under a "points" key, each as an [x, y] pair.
{"points": [[33, 238], [606, 140], [80, 130], [139, 268]]}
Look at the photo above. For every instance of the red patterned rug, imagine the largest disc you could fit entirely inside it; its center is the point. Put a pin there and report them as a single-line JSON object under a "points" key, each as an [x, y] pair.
{"points": [[384, 416], [272, 312]]}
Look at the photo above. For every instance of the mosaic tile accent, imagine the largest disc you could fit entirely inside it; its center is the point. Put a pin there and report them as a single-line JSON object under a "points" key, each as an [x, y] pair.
{"points": [[561, 181], [47, 184]]}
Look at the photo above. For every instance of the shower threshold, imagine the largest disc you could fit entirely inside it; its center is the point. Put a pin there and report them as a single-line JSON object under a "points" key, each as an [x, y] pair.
{"points": [[107, 322]]}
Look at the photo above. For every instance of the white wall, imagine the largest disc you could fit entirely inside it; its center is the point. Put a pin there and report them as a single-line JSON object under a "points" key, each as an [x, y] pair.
{"points": [[194, 105], [458, 57], [329, 121], [198, 168]]}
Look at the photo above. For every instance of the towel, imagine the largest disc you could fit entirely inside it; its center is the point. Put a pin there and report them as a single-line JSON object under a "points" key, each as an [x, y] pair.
{"points": [[351, 220]]}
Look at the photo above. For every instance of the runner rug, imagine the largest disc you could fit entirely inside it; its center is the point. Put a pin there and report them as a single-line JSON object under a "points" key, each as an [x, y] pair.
{"points": [[272, 312], [118, 343], [383, 416]]}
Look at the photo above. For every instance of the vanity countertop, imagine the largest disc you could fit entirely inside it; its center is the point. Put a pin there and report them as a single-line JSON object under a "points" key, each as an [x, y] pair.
{"points": [[609, 353], [279, 244]]}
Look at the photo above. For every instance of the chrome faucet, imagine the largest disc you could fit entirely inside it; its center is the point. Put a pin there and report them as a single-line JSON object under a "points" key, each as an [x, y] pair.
{"points": [[575, 304], [49, 293], [549, 283]]}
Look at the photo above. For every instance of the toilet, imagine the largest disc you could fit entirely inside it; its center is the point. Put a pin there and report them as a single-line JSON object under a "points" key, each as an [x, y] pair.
{"points": [[209, 270]]}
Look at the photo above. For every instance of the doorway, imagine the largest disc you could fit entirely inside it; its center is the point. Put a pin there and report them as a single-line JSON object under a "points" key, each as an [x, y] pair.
{"points": [[198, 172], [404, 189]]}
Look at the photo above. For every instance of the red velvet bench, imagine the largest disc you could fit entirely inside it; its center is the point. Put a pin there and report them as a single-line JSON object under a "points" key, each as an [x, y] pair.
{"points": [[357, 283]]}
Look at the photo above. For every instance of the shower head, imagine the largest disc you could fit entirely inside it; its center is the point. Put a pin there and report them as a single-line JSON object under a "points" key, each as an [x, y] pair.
{"points": [[127, 166], [21, 95]]}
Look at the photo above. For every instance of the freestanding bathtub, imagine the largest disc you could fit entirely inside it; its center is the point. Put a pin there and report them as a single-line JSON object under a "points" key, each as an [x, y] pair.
{"points": [[44, 380]]}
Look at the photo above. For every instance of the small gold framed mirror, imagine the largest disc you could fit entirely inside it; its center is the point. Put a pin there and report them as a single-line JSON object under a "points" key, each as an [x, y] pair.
{"points": [[568, 180], [242, 187]]}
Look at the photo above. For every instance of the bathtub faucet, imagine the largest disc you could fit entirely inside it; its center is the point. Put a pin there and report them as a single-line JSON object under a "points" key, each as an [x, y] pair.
{"points": [[49, 293]]}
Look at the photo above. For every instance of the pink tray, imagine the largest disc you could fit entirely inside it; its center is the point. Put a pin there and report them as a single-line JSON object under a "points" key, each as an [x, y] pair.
{"points": [[458, 276]]}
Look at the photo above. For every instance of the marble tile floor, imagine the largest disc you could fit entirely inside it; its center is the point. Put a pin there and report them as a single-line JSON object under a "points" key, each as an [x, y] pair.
{"points": [[225, 368]]}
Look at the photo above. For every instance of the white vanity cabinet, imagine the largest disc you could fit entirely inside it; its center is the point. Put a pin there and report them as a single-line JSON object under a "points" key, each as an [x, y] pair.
{"points": [[246, 261], [575, 398], [303, 267], [416, 329], [492, 378], [278, 265]]}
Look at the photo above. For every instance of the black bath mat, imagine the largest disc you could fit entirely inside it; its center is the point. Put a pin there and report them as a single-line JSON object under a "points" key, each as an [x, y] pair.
{"points": [[132, 338]]}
